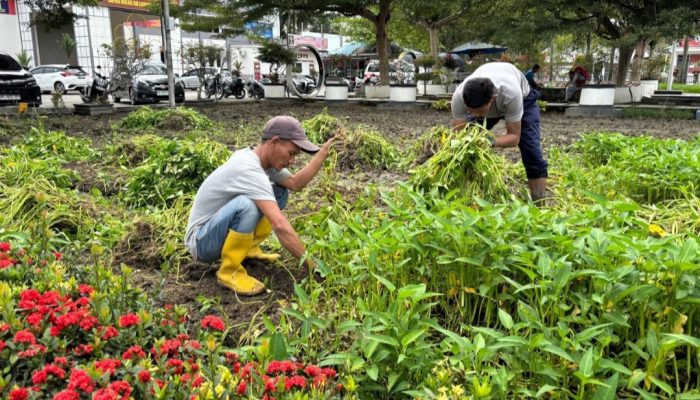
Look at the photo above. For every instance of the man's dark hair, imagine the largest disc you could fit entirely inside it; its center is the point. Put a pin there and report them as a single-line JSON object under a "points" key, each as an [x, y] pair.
{"points": [[477, 92], [536, 67]]}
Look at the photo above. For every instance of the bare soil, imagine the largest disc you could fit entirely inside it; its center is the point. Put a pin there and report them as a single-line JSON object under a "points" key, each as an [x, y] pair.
{"points": [[400, 126]]}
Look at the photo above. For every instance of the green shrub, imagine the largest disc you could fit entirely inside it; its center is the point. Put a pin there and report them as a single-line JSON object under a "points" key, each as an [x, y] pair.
{"points": [[321, 127], [56, 144], [176, 169], [466, 162], [175, 119], [366, 147]]}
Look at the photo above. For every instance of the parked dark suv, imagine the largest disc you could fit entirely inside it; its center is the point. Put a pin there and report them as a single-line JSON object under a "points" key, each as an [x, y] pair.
{"points": [[149, 84], [17, 84]]}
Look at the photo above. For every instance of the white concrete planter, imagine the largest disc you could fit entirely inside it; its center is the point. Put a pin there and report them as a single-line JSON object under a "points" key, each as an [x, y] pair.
{"points": [[336, 91], [623, 95], [648, 87], [597, 96], [377, 92], [430, 89], [274, 90], [636, 92], [403, 93]]}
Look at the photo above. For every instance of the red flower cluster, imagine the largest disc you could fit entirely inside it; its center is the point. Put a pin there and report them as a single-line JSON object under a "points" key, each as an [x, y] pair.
{"points": [[129, 320], [6, 260], [212, 322]]}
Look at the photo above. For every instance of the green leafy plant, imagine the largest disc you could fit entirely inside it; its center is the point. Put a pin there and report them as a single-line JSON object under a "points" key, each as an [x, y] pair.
{"points": [[178, 119], [441, 105]]}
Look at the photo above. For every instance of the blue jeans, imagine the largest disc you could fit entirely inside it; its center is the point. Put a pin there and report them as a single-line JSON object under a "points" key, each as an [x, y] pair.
{"points": [[530, 147], [240, 215]]}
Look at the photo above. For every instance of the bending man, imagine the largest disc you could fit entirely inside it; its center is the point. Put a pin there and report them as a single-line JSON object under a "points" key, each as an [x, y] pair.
{"points": [[498, 91]]}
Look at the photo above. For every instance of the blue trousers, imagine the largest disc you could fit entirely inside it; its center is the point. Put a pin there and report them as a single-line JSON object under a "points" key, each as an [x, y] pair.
{"points": [[240, 215], [530, 147]]}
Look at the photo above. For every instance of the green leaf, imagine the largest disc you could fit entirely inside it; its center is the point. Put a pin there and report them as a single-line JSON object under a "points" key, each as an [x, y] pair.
{"points": [[673, 338], [607, 391], [373, 372], [545, 389], [347, 325], [506, 319], [383, 339], [334, 359], [585, 366], [557, 351], [662, 385], [410, 291], [411, 336], [385, 282], [278, 348]]}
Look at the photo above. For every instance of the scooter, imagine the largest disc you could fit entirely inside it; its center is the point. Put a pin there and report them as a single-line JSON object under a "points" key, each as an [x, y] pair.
{"points": [[233, 86], [255, 89], [97, 88]]}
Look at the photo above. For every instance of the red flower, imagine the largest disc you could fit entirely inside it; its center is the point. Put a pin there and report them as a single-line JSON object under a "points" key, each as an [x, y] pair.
{"points": [[213, 322], [285, 367], [105, 394], [129, 320], [60, 361], [320, 380], [80, 380], [32, 351], [108, 365], [176, 365], [2, 345], [198, 381], [329, 372], [85, 289], [24, 336], [35, 319], [110, 332], [4, 327], [313, 370], [88, 323], [144, 376], [170, 347], [133, 352], [295, 381], [121, 387], [4, 263], [270, 384], [39, 377], [57, 255], [19, 393], [67, 394], [5, 247], [241, 388], [82, 350]]}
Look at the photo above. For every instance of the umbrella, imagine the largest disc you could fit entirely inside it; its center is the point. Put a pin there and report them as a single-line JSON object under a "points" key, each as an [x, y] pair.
{"points": [[474, 48]]}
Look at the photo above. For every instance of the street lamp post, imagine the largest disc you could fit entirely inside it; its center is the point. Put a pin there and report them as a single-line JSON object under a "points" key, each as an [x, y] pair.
{"points": [[168, 54]]}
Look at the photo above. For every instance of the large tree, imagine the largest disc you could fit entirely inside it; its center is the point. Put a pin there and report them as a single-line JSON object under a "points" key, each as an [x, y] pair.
{"points": [[376, 11], [627, 24], [434, 16]]}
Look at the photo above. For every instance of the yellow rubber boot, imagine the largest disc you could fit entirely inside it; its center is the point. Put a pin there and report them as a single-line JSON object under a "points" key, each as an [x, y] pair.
{"points": [[231, 274], [262, 231]]}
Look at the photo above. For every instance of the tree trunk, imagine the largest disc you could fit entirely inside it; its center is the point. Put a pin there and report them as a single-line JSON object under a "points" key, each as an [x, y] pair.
{"points": [[382, 49], [551, 61], [434, 35], [612, 63], [683, 70], [637, 60], [623, 63]]}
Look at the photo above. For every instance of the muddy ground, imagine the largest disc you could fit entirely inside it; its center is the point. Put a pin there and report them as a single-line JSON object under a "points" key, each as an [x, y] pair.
{"points": [[401, 126]]}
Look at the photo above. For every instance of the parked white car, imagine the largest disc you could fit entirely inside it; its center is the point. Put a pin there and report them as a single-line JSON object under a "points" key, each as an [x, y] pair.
{"points": [[60, 78], [191, 77]]}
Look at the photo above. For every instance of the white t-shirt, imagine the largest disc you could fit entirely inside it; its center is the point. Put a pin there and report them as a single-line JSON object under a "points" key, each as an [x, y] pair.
{"points": [[243, 175], [510, 86]]}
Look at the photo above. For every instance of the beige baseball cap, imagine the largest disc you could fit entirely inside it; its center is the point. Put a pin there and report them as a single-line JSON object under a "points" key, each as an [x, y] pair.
{"points": [[289, 128]]}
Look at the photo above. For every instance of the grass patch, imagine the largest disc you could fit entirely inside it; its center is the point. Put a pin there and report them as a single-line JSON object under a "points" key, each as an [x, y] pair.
{"points": [[680, 86], [657, 113]]}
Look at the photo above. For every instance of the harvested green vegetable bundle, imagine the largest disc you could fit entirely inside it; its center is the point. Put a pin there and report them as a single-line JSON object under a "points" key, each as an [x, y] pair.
{"points": [[465, 161], [366, 147], [321, 127]]}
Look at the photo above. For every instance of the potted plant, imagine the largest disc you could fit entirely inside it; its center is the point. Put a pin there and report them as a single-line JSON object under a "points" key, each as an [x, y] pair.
{"points": [[429, 64], [403, 82], [277, 56], [651, 73]]}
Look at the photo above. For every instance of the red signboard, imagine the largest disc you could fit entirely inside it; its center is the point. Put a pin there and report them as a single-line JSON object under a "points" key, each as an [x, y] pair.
{"points": [[135, 5], [7, 7]]}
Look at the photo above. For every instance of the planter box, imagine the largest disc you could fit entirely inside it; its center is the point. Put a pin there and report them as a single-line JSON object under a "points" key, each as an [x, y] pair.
{"points": [[336, 92], [275, 90], [648, 87], [377, 92], [553, 95], [623, 95], [402, 93], [431, 89], [94, 109], [597, 96]]}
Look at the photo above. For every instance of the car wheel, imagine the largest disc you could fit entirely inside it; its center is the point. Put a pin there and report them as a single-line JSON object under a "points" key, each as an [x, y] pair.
{"points": [[132, 97], [59, 87]]}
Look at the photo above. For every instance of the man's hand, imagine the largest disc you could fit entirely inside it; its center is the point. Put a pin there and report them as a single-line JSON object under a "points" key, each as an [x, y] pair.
{"points": [[339, 136]]}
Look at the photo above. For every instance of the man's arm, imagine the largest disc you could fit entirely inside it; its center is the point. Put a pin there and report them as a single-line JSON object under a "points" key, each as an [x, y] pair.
{"points": [[283, 229], [512, 136], [302, 178]]}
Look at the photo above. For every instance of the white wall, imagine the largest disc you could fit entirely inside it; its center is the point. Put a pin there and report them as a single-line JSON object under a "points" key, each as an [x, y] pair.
{"points": [[334, 41], [9, 32]]}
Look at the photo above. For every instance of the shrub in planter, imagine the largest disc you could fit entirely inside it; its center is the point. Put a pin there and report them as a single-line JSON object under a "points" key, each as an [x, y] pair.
{"points": [[277, 56]]}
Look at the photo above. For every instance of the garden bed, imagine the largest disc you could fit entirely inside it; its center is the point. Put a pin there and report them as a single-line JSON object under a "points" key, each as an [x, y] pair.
{"points": [[393, 230]]}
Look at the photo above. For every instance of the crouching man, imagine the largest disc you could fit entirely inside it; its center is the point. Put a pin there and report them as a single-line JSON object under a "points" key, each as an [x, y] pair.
{"points": [[239, 204]]}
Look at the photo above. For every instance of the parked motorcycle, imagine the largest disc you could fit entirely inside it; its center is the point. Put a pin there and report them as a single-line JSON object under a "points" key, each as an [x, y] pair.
{"points": [[255, 89], [97, 88], [233, 86], [304, 84]]}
